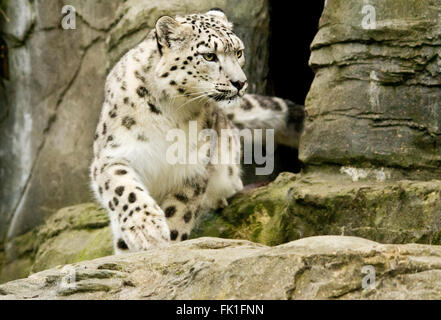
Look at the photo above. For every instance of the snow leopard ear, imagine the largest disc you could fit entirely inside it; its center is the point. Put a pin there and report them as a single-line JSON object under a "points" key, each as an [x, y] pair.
{"points": [[220, 14], [169, 30]]}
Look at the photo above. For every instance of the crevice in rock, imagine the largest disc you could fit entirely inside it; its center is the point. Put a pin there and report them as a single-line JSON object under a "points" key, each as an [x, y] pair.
{"points": [[291, 291], [391, 122], [89, 25], [5, 104], [128, 34], [387, 43], [377, 121], [47, 29], [15, 42], [346, 292]]}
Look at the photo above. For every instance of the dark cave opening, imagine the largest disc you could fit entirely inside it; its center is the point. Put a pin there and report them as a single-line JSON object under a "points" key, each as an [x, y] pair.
{"points": [[292, 30]]}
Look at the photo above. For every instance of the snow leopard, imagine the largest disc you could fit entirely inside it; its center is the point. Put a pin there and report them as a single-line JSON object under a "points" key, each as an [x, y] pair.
{"points": [[187, 70]]}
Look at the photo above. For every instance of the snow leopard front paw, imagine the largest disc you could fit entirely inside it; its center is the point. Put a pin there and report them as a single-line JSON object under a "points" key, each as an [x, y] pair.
{"points": [[146, 230]]}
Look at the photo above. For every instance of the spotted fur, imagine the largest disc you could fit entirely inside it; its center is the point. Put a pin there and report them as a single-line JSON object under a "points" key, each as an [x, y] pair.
{"points": [[188, 68]]}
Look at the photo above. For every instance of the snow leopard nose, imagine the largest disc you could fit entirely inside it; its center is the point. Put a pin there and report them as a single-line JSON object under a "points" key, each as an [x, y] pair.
{"points": [[238, 84]]}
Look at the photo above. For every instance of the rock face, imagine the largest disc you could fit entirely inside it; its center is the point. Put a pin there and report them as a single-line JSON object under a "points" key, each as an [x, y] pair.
{"points": [[292, 207], [331, 203], [52, 113], [72, 234], [207, 268], [375, 98], [49, 113]]}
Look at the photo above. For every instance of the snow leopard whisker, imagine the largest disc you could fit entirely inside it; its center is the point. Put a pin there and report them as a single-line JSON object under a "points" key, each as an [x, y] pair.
{"points": [[192, 100], [189, 94]]}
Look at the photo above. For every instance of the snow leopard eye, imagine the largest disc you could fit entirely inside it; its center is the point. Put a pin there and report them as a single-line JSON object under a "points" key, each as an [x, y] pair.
{"points": [[239, 54], [210, 57]]}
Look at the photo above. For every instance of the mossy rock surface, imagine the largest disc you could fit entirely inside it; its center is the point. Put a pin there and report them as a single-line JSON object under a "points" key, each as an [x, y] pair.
{"points": [[72, 234], [330, 203], [320, 202]]}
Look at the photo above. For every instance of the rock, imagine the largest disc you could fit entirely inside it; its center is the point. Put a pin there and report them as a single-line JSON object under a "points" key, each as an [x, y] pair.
{"points": [[331, 203], [52, 113], [49, 112], [380, 205], [375, 97], [73, 234], [18, 259], [328, 267]]}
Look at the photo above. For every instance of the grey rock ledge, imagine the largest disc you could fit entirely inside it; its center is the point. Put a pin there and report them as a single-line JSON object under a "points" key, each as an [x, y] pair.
{"points": [[325, 267]]}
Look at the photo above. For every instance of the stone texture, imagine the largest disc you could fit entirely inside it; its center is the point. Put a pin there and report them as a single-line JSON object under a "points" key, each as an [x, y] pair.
{"points": [[323, 202], [16, 262], [72, 234], [53, 98], [318, 202], [327, 267], [52, 113], [375, 98]]}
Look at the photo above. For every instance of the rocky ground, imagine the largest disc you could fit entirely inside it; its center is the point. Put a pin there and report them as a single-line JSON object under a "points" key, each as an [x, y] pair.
{"points": [[292, 207], [327, 267]]}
